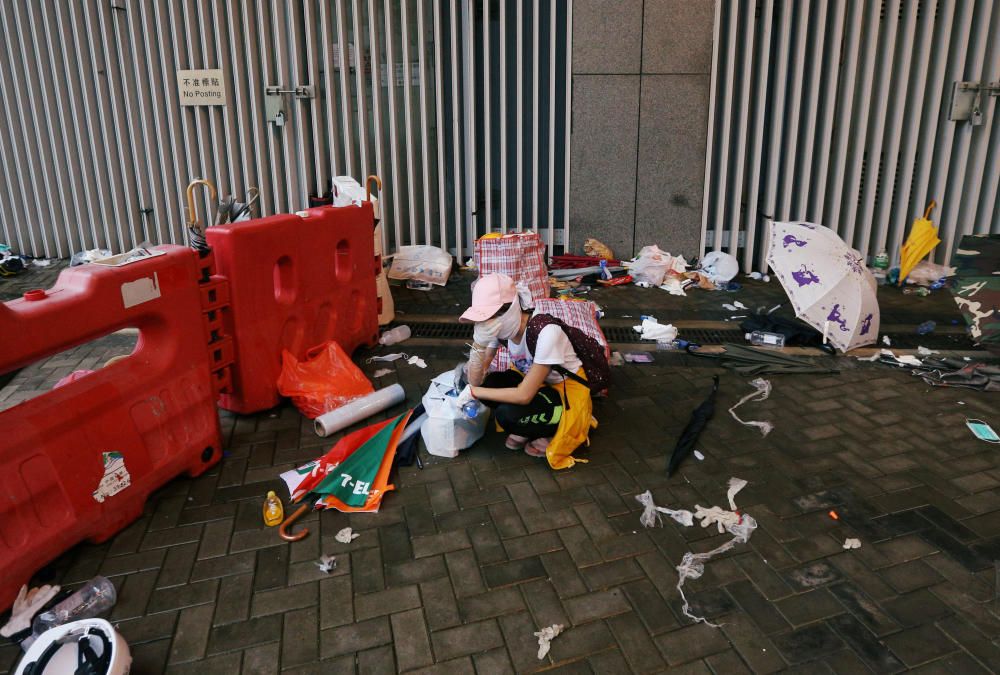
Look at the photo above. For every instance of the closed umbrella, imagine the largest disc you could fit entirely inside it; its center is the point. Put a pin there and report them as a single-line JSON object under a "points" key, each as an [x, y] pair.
{"points": [[353, 476], [923, 238], [827, 283], [699, 418]]}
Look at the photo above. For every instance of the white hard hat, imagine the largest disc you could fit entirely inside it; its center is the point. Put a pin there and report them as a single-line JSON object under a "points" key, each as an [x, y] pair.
{"points": [[89, 646]]}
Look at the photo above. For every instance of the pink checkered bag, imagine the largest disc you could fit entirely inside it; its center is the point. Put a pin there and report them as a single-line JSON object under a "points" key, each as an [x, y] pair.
{"points": [[579, 313], [520, 256]]}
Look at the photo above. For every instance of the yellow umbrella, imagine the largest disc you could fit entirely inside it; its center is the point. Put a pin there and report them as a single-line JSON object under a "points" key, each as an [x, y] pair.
{"points": [[923, 237]]}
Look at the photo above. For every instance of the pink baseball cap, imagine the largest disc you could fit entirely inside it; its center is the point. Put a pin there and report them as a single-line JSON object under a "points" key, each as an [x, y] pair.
{"points": [[489, 294]]}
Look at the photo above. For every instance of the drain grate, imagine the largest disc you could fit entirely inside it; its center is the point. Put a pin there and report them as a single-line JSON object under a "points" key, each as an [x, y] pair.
{"points": [[441, 331], [702, 336]]}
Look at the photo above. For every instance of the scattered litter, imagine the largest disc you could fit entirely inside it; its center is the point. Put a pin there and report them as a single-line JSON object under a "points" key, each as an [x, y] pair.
{"points": [[961, 403], [689, 436], [692, 566], [673, 285], [735, 485], [886, 341], [616, 359], [982, 431], [84, 257], [326, 564], [734, 306], [397, 334], [545, 637], [651, 512], [833, 514], [909, 360], [719, 267], [763, 390], [852, 543], [386, 358], [700, 457], [42, 262], [417, 361], [924, 351], [381, 372], [926, 328], [346, 536], [774, 309], [650, 329], [638, 357], [760, 277]]}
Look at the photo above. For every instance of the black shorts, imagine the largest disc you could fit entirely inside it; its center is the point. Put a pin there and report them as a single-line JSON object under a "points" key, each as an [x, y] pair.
{"points": [[537, 419]]}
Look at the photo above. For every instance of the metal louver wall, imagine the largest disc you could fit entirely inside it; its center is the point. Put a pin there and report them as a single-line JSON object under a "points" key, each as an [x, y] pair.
{"points": [[838, 113], [462, 108]]}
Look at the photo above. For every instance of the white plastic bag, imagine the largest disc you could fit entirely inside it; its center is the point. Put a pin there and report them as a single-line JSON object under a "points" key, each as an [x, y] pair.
{"points": [[447, 430], [423, 263], [651, 265]]}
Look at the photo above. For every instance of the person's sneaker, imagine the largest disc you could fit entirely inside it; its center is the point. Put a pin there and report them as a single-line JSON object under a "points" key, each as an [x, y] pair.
{"points": [[515, 442], [537, 447]]}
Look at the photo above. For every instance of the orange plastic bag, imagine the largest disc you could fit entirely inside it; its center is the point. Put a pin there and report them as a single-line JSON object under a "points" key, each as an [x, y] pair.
{"points": [[325, 380]]}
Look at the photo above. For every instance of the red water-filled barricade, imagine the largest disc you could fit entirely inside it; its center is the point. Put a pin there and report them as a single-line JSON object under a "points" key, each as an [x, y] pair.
{"points": [[78, 462], [295, 281]]}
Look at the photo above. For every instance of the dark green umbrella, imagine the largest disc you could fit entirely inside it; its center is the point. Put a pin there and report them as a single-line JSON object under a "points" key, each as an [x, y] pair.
{"points": [[750, 361], [977, 287]]}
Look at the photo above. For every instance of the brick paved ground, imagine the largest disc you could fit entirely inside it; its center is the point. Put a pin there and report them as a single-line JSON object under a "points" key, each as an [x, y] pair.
{"points": [[470, 556]]}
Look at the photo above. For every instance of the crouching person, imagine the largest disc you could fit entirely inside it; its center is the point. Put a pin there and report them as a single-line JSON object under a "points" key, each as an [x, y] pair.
{"points": [[543, 402]]}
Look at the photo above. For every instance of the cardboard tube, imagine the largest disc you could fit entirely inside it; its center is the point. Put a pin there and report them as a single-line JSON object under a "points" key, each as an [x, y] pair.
{"points": [[359, 409]]}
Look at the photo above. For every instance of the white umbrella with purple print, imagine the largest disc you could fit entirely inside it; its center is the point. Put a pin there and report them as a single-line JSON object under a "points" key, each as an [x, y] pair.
{"points": [[827, 282]]}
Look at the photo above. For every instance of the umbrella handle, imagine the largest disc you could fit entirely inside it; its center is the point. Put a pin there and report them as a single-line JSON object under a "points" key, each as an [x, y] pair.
{"points": [[368, 186], [283, 529], [193, 221], [930, 207]]}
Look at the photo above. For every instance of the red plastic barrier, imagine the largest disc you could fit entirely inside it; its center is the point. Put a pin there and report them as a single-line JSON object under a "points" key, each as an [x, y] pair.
{"points": [[295, 281], [64, 454]]}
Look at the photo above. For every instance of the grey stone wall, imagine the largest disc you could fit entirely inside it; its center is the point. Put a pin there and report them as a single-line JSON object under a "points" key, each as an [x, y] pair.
{"points": [[641, 78]]}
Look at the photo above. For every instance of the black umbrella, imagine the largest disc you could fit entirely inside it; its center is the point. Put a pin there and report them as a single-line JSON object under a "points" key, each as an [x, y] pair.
{"points": [[699, 418]]}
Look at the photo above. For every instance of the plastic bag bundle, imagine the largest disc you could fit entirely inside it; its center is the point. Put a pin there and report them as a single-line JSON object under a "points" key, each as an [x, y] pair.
{"points": [[762, 391], [325, 380]]}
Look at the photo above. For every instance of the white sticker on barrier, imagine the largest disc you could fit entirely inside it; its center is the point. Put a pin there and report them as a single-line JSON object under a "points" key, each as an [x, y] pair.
{"points": [[140, 291], [115, 479]]}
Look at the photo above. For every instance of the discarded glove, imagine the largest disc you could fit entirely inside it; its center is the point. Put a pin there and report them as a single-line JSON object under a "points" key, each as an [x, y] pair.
{"points": [[26, 605], [716, 515]]}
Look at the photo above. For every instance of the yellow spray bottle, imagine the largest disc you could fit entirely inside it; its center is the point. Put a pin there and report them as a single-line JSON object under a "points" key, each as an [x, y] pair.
{"points": [[274, 513]]}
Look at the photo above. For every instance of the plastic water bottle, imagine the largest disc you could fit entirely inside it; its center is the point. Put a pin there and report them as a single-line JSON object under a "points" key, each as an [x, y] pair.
{"points": [[397, 334], [605, 273], [470, 409], [96, 597], [762, 338]]}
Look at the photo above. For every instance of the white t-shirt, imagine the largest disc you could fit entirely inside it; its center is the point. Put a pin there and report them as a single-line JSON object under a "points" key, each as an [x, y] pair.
{"points": [[553, 348]]}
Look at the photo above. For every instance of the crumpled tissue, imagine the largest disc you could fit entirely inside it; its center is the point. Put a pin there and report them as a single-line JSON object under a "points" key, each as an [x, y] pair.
{"points": [[545, 637], [346, 536], [326, 563]]}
